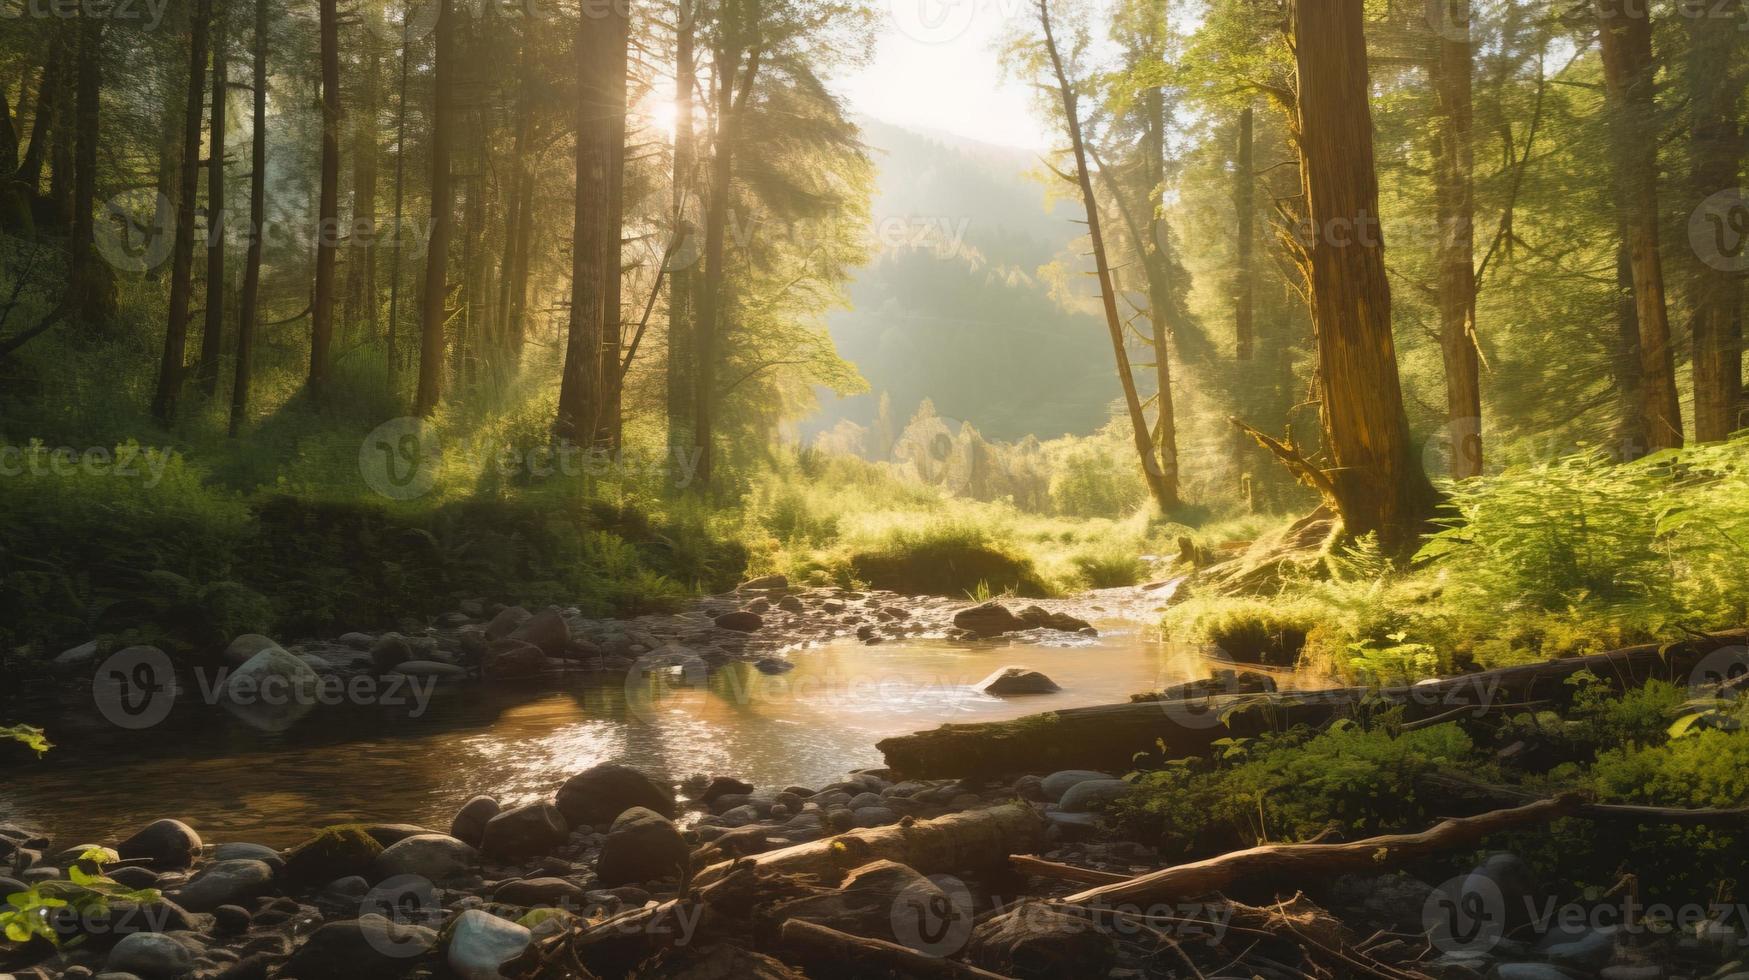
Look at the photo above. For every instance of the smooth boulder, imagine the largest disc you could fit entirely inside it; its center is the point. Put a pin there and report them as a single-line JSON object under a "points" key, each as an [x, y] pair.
{"points": [[236, 882], [1017, 682], [546, 630], [469, 825], [151, 956], [642, 846], [598, 795], [480, 943], [434, 857], [168, 844], [1092, 795], [989, 619], [369, 947], [524, 832], [335, 852]]}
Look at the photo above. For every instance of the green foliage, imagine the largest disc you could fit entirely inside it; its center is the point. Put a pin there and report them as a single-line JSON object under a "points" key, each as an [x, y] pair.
{"points": [[34, 912], [29, 736]]}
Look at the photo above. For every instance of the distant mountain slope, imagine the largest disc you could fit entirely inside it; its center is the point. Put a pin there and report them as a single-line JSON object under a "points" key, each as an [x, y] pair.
{"points": [[951, 308]]}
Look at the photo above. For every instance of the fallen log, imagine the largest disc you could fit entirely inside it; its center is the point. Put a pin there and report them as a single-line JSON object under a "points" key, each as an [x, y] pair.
{"points": [[1108, 736], [963, 841], [1455, 789], [1288, 863], [821, 944]]}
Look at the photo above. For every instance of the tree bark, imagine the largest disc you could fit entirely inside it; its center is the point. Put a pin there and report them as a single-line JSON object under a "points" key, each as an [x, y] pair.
{"points": [[8, 137], [91, 289], [682, 355], [393, 353], [592, 340], [170, 366], [1162, 296], [1159, 485], [1379, 485], [211, 339], [1625, 39], [248, 310], [1626, 363], [1245, 204], [517, 211], [1716, 156], [30, 171], [328, 213], [826, 945], [361, 268], [1454, 193], [64, 136], [442, 219]]}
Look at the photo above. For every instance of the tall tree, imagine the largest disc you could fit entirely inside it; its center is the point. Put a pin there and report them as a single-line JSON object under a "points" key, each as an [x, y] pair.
{"points": [[1455, 205], [1161, 484], [1625, 39], [328, 214], [595, 250], [1245, 239], [170, 366], [682, 358], [433, 308], [392, 351], [88, 282], [249, 308], [1374, 479], [361, 267], [211, 341], [1715, 86]]}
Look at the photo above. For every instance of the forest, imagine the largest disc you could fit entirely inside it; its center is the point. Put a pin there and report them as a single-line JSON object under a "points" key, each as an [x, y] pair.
{"points": [[537, 489]]}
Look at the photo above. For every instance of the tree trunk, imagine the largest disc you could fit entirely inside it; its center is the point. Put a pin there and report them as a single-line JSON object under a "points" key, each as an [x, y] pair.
{"points": [[1375, 477], [1245, 203], [517, 211], [361, 266], [170, 366], [64, 135], [211, 340], [30, 171], [1716, 155], [393, 353], [328, 215], [1159, 484], [595, 256], [8, 137], [1625, 39], [1626, 362], [1454, 193], [89, 284], [712, 290], [682, 357], [442, 219], [246, 315], [1162, 299]]}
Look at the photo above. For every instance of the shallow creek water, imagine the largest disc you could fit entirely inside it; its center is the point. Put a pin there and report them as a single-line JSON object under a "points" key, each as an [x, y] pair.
{"points": [[811, 725]]}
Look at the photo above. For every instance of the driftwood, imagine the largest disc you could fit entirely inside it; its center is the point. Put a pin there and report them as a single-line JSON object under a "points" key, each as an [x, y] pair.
{"points": [[1108, 736], [957, 842], [826, 945], [1303, 862], [1451, 788]]}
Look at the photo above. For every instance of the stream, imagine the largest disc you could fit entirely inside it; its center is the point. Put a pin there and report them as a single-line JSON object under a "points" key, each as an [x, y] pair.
{"points": [[235, 782]]}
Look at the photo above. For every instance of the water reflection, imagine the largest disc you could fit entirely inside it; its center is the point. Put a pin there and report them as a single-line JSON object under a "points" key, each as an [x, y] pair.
{"points": [[237, 782]]}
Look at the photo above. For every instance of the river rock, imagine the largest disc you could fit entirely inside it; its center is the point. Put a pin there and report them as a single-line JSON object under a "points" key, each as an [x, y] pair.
{"points": [[168, 844], [1035, 942], [1092, 795], [272, 690], [430, 668], [389, 650], [369, 947], [721, 785], [506, 622], [245, 648], [546, 630], [1037, 618], [1017, 681], [989, 619], [1058, 783], [514, 658], [599, 794], [150, 955], [335, 852], [435, 857], [390, 834], [541, 892], [741, 621], [76, 657], [249, 852], [524, 832], [791, 604], [469, 825], [642, 846], [238, 882], [765, 583], [480, 942]]}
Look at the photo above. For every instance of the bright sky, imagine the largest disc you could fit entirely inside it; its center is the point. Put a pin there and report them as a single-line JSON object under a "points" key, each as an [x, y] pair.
{"points": [[935, 67]]}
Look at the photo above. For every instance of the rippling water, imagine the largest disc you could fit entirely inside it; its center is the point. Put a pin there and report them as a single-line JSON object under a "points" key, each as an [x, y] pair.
{"points": [[234, 782]]}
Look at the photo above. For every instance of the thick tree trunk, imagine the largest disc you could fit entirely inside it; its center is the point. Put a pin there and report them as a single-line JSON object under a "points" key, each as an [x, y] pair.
{"points": [[8, 138], [1159, 485], [247, 313], [393, 353], [442, 219], [517, 211], [1162, 298], [62, 138], [1375, 474], [1454, 192], [682, 355], [328, 209], [1625, 39], [170, 366], [211, 339], [1716, 156], [1245, 204], [712, 292], [30, 171], [89, 284], [586, 394], [470, 343], [1626, 363]]}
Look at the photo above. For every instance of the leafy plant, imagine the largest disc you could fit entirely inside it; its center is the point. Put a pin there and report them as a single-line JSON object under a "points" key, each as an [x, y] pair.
{"points": [[36, 911], [30, 736]]}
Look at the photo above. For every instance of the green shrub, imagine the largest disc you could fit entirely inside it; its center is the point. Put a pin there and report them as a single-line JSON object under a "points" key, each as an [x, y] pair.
{"points": [[946, 558]]}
